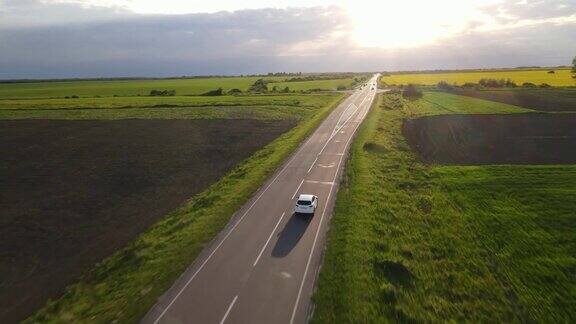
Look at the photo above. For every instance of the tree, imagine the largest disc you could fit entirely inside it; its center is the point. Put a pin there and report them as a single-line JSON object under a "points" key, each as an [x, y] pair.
{"points": [[411, 92], [259, 86]]}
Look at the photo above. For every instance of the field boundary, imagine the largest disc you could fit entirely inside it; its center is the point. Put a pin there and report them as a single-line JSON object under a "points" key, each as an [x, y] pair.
{"points": [[125, 285]]}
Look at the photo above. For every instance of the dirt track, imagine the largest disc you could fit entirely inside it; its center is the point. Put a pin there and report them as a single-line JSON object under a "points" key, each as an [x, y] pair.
{"points": [[494, 139], [73, 192]]}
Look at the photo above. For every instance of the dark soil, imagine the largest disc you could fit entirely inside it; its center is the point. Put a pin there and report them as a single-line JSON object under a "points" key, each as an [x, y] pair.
{"points": [[537, 99], [74, 192], [493, 139]]}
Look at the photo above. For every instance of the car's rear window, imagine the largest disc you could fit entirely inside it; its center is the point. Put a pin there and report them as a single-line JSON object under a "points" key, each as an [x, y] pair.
{"points": [[304, 202]]}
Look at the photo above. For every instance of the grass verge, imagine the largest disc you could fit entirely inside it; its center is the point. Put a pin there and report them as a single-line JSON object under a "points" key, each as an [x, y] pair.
{"points": [[420, 243], [124, 286]]}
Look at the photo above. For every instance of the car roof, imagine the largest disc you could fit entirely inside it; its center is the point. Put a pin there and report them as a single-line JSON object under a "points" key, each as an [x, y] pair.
{"points": [[305, 197]]}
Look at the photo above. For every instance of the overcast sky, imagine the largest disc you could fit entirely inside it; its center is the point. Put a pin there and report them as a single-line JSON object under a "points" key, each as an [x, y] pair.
{"points": [[105, 38]]}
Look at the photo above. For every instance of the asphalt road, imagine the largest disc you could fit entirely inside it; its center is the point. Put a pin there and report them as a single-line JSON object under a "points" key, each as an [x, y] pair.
{"points": [[263, 265]]}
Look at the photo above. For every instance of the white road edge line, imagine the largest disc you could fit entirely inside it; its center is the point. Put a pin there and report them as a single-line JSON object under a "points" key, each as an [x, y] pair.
{"points": [[268, 240], [229, 309], [319, 227], [300, 185], [228, 234]]}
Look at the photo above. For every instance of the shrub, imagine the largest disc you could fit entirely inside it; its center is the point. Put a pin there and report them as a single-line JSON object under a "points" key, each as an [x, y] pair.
{"points": [[444, 85], [286, 90], [551, 72], [494, 83], [259, 86], [155, 93], [234, 92], [470, 85], [341, 87], [411, 92], [212, 93], [545, 85], [528, 85]]}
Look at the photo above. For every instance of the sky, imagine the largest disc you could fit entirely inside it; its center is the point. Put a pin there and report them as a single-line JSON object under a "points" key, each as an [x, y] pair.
{"points": [[115, 38]]}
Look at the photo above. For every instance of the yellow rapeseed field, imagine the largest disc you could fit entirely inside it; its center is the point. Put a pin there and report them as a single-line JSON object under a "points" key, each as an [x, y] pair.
{"points": [[560, 78]]}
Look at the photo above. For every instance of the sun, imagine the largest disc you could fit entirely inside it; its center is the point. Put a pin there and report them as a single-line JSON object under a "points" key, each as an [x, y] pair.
{"points": [[407, 23]]}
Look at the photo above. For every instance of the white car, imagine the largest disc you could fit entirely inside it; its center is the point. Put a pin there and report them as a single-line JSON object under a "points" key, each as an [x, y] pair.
{"points": [[306, 204]]}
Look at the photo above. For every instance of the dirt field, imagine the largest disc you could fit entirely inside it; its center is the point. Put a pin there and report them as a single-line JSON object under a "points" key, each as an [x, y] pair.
{"points": [[494, 139], [73, 192], [537, 99]]}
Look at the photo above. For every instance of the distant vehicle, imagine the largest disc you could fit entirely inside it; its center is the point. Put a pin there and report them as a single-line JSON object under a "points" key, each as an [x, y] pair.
{"points": [[306, 204]]}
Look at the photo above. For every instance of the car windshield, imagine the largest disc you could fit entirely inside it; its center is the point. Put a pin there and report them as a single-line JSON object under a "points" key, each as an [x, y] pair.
{"points": [[304, 202]]}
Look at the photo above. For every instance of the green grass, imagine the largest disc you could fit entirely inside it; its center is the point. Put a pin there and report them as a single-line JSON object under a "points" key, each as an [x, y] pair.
{"points": [[180, 107], [561, 78], [124, 286], [413, 242], [438, 103], [143, 87], [317, 84]]}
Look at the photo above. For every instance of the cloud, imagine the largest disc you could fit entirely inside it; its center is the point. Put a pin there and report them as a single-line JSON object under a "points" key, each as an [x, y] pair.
{"points": [[36, 13], [100, 41], [514, 10]]}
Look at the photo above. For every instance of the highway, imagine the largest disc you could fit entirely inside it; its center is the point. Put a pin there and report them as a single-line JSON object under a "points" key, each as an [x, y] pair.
{"points": [[262, 267]]}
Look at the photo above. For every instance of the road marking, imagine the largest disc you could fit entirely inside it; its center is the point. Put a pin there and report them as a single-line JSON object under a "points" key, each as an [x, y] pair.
{"points": [[318, 231], [268, 240], [320, 182], [300, 185], [232, 229], [285, 275], [229, 309], [343, 113], [337, 130], [312, 165]]}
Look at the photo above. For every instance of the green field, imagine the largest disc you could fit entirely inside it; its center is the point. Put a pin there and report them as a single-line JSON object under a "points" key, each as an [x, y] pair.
{"points": [[561, 78], [179, 107], [411, 242], [143, 87]]}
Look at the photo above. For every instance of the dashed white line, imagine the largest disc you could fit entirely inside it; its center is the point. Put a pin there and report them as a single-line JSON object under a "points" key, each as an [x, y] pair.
{"points": [[268, 240], [300, 185], [229, 309], [312, 165]]}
